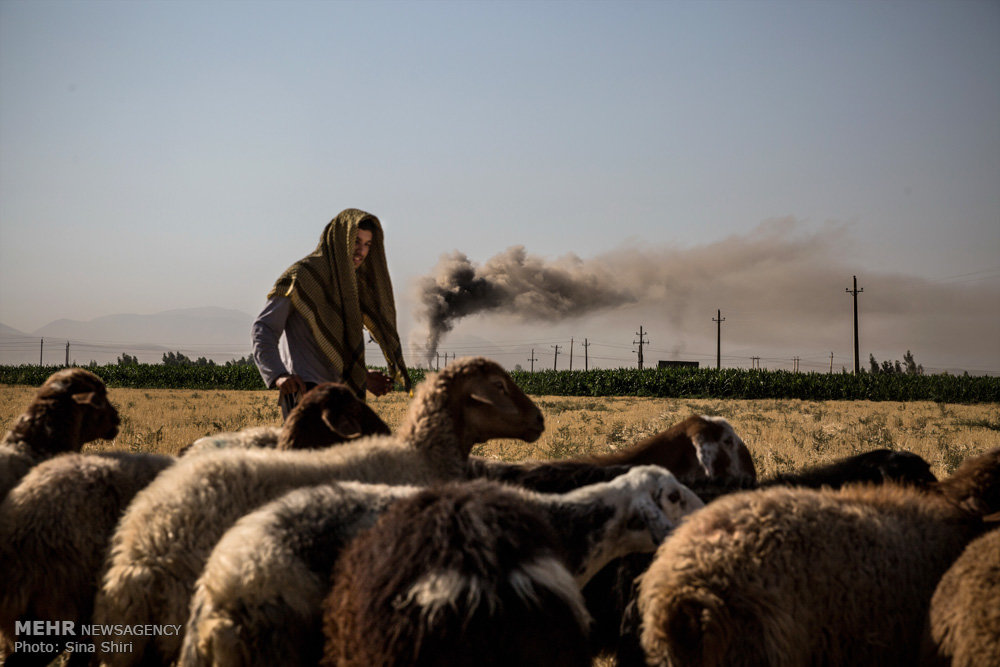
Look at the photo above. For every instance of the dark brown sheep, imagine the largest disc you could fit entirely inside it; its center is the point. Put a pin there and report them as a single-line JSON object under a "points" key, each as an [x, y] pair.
{"points": [[70, 409], [329, 414], [698, 447], [793, 576], [461, 575]]}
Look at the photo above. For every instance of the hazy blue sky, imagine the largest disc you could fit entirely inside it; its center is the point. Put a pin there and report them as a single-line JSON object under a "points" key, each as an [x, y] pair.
{"points": [[754, 155]]}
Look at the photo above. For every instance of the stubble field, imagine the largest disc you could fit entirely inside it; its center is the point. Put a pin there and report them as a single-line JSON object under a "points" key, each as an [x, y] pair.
{"points": [[782, 435]]}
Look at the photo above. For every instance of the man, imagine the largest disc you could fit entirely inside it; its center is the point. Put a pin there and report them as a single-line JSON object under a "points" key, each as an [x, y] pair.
{"points": [[310, 330]]}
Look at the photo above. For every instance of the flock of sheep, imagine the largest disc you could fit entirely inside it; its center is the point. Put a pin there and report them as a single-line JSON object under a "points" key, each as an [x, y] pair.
{"points": [[332, 541]]}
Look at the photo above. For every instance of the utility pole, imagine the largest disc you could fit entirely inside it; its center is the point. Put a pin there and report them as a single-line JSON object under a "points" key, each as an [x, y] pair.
{"points": [[585, 360], [755, 363], [437, 361], [67, 353], [855, 292], [831, 362], [571, 353], [640, 342], [532, 360], [718, 341], [555, 359], [41, 351], [795, 364]]}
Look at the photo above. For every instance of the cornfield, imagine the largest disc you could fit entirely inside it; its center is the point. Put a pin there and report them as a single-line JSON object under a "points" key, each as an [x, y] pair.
{"points": [[660, 383]]}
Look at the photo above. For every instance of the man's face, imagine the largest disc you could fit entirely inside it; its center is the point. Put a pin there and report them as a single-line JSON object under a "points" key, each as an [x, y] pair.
{"points": [[361, 246]]}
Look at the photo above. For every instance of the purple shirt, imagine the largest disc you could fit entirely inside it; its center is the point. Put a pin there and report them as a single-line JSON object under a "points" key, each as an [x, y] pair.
{"points": [[283, 344]]}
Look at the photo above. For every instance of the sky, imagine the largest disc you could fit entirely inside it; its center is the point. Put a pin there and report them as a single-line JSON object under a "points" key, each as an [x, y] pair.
{"points": [[689, 159]]}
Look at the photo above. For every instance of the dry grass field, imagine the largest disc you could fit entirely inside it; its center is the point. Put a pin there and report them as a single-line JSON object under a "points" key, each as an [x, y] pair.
{"points": [[783, 435]]}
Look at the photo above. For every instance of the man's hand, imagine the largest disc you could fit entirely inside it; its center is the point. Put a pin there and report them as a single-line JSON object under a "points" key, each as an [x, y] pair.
{"points": [[378, 383], [290, 384]]}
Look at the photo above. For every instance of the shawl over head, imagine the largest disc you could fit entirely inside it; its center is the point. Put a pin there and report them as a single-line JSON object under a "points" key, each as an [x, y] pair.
{"points": [[336, 300]]}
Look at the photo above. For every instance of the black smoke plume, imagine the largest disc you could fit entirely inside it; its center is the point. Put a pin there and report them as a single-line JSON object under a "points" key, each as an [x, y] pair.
{"points": [[518, 284]]}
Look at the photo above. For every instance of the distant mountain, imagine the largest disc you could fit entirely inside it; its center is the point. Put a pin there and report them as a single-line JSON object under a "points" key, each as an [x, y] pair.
{"points": [[219, 334], [216, 333], [190, 327], [6, 331]]}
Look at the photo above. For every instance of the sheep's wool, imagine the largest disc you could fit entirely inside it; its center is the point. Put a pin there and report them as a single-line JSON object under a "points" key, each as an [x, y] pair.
{"points": [[336, 300]]}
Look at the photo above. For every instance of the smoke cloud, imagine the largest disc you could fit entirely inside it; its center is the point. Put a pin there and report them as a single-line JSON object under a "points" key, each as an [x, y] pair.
{"points": [[777, 285], [519, 284]]}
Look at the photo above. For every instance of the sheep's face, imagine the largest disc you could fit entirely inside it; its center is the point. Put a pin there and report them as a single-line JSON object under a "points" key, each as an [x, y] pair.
{"points": [[495, 407], [80, 393], [652, 503], [327, 415]]}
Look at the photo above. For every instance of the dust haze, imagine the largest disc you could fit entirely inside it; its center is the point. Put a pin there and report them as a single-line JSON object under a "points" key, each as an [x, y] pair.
{"points": [[775, 284]]}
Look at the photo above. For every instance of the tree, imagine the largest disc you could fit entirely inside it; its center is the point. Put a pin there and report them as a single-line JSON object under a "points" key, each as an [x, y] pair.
{"points": [[912, 367], [244, 361], [908, 367], [127, 360], [176, 359]]}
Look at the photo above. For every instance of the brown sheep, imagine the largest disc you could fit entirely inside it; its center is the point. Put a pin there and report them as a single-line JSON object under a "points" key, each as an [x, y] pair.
{"points": [[793, 576], [964, 624], [328, 414], [698, 447], [70, 409]]}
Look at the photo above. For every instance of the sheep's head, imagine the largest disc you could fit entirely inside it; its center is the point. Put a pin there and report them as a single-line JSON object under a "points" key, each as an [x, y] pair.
{"points": [[70, 409], [975, 486], [329, 414], [472, 400], [647, 503], [492, 406]]}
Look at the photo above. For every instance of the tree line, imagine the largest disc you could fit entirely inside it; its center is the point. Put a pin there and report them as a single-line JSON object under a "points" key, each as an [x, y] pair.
{"points": [[181, 359]]}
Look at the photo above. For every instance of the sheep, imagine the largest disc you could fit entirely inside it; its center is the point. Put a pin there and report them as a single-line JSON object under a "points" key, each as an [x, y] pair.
{"points": [[612, 591], [481, 573], [70, 409], [328, 414], [698, 447], [258, 597], [266, 576], [964, 620], [611, 595], [877, 466], [55, 526], [794, 576], [164, 538]]}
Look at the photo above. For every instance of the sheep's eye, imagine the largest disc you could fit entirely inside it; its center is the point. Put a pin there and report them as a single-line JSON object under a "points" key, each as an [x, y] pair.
{"points": [[501, 386]]}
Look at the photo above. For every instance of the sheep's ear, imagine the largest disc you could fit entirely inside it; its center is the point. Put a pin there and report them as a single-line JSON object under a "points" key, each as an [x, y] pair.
{"points": [[88, 398], [480, 398], [346, 426]]}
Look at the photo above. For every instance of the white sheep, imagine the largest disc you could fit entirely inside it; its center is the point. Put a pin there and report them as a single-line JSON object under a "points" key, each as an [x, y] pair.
{"points": [[258, 597], [171, 526], [70, 408], [330, 413], [964, 623], [55, 526], [487, 574], [789, 576]]}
